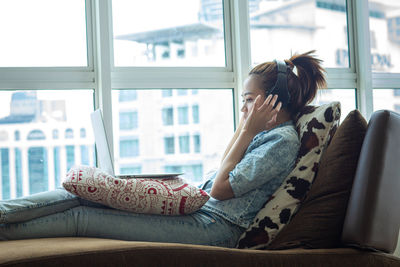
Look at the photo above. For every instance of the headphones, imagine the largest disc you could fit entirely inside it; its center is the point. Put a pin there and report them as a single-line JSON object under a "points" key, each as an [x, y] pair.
{"points": [[280, 88]]}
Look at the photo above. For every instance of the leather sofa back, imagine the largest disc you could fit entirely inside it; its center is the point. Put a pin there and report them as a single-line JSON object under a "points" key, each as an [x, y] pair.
{"points": [[373, 213]]}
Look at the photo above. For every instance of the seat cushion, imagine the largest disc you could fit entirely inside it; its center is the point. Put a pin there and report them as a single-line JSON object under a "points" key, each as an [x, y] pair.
{"points": [[316, 126], [105, 252], [319, 221]]}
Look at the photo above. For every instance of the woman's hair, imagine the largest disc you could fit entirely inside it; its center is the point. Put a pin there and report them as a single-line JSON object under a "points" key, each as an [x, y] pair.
{"points": [[302, 86]]}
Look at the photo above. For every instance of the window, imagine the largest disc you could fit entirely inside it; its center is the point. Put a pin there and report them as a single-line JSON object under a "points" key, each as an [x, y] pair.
{"points": [[396, 92], [168, 116], [383, 99], [84, 155], [385, 47], [195, 113], [346, 97], [70, 151], [55, 134], [164, 140], [184, 144], [166, 92], [5, 173], [169, 145], [182, 92], [129, 148], [192, 172], [36, 135], [82, 133], [17, 136], [183, 115], [196, 143], [37, 168], [43, 33], [127, 95], [69, 133], [130, 169], [281, 28], [166, 36], [128, 120], [37, 117]]}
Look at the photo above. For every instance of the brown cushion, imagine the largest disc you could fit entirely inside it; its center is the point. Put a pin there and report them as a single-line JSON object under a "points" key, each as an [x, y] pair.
{"points": [[319, 221]]}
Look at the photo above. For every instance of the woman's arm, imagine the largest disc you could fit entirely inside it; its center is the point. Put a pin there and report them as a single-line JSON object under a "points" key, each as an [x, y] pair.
{"points": [[234, 138], [255, 123]]}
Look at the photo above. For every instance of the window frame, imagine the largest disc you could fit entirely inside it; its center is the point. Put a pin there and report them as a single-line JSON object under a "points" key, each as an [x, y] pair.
{"points": [[102, 76]]}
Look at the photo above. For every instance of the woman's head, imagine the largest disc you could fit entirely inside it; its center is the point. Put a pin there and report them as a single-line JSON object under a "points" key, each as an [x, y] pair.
{"points": [[302, 86]]}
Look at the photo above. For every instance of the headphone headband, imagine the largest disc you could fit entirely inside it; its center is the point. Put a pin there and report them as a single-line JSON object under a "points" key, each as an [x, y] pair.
{"points": [[280, 88]]}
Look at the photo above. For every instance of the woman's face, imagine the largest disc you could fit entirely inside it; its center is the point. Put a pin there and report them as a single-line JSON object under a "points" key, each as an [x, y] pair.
{"points": [[252, 88]]}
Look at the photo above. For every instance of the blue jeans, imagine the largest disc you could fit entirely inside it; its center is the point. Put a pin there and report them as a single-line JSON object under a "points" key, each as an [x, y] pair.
{"points": [[58, 213]]}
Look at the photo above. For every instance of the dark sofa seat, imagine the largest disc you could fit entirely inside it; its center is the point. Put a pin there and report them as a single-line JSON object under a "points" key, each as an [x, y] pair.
{"points": [[104, 252]]}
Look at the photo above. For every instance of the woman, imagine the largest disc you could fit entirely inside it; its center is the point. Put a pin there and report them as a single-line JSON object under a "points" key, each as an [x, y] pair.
{"points": [[260, 155]]}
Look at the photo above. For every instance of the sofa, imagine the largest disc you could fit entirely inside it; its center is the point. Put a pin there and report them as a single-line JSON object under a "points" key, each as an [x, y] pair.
{"points": [[359, 230]]}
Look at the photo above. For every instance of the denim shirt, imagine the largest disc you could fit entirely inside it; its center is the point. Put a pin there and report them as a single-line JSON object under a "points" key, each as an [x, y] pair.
{"points": [[269, 158]]}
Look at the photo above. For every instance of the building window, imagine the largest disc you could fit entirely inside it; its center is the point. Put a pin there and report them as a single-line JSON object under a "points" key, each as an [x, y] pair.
{"points": [[18, 171], [130, 170], [196, 143], [70, 150], [57, 175], [38, 175], [182, 91], [128, 120], [17, 136], [84, 155], [397, 108], [82, 133], [195, 113], [166, 92], [5, 173], [127, 95], [55, 134], [69, 133], [183, 116], [184, 144], [129, 148], [396, 92], [195, 91], [193, 172], [36, 135], [169, 145], [168, 116]]}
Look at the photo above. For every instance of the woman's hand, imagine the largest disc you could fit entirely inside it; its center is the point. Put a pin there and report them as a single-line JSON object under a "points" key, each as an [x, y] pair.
{"points": [[262, 115]]}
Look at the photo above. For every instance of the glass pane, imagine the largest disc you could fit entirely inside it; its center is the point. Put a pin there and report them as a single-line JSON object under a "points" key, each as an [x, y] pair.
{"points": [[384, 24], [387, 99], [281, 28], [168, 33], [163, 143], [42, 33], [346, 97], [40, 140]]}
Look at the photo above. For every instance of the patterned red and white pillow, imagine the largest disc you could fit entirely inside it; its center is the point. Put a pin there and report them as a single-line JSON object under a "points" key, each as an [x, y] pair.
{"points": [[171, 196]]}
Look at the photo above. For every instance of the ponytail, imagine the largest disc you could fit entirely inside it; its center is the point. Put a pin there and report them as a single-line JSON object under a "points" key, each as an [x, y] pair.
{"points": [[303, 86]]}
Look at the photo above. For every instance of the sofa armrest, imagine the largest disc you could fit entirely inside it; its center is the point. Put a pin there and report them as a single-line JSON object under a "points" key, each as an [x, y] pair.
{"points": [[373, 219]]}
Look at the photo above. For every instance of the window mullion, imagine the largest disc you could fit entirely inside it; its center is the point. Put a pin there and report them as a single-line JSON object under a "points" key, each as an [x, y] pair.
{"points": [[362, 55], [102, 21], [241, 47]]}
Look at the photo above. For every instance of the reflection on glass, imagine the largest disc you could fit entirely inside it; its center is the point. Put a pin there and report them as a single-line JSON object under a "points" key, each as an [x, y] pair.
{"points": [[384, 24], [387, 99], [281, 28], [33, 156], [180, 133], [42, 33], [168, 33], [346, 97]]}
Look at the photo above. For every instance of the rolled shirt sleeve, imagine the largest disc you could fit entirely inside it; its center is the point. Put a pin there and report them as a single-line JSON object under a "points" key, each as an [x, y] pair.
{"points": [[263, 162]]}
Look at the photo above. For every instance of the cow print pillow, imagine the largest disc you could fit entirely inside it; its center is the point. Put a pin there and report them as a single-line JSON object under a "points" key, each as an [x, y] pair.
{"points": [[316, 126]]}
